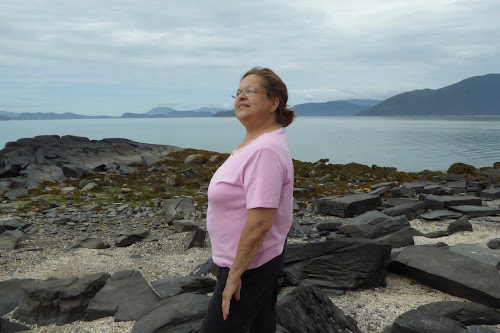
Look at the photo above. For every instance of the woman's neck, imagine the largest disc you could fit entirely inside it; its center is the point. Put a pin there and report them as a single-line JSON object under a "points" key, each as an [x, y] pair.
{"points": [[253, 134]]}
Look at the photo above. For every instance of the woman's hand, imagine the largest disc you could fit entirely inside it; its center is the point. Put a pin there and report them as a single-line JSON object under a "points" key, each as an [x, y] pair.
{"points": [[233, 288]]}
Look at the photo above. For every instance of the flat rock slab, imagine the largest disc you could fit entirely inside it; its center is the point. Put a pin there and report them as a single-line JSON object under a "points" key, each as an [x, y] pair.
{"points": [[467, 313], [440, 214], [181, 313], [124, 295], [373, 224], [348, 205], [399, 201], [418, 321], [450, 272], [307, 309], [410, 210], [491, 193], [183, 284], [475, 211], [484, 254]]}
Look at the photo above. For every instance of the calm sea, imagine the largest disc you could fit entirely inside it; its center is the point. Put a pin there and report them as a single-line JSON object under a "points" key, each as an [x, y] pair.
{"points": [[409, 144]]}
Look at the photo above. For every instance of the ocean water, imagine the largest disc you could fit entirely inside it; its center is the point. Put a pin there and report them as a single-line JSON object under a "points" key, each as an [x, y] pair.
{"points": [[409, 144]]}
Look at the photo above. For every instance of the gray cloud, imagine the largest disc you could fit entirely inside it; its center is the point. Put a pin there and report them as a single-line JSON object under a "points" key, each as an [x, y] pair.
{"points": [[95, 57]]}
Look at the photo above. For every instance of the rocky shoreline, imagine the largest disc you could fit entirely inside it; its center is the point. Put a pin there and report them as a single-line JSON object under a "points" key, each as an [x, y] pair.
{"points": [[112, 210]]}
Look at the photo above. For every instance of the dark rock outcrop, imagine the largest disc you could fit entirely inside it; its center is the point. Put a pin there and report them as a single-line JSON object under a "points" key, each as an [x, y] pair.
{"points": [[410, 210], [11, 293], [373, 224], [467, 313], [338, 264], [418, 321], [306, 309], [125, 295], [59, 301]]}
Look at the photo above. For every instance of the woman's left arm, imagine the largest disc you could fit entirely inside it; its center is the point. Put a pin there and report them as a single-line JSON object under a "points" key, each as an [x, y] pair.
{"points": [[259, 221]]}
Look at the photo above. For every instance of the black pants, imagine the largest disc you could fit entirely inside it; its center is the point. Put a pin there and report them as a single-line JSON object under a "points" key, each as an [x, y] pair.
{"points": [[256, 309]]}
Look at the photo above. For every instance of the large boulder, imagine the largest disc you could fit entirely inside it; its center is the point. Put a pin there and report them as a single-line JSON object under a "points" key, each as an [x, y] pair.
{"points": [[177, 314], [59, 301], [341, 264], [373, 224], [348, 205], [306, 309], [125, 295], [450, 272]]}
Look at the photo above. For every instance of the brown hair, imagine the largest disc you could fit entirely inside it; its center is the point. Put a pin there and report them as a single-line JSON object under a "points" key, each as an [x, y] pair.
{"points": [[274, 87]]}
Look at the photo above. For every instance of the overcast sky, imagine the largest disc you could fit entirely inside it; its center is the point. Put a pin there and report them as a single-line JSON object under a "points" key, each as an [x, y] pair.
{"points": [[109, 57]]}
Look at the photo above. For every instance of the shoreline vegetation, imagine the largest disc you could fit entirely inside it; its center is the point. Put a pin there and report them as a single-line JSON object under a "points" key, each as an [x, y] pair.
{"points": [[76, 190]]}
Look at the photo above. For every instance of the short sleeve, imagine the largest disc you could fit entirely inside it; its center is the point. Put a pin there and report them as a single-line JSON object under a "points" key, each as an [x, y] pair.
{"points": [[263, 177]]}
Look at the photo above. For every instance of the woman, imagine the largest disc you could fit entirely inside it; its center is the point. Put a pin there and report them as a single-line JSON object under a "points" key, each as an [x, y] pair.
{"points": [[250, 203]]}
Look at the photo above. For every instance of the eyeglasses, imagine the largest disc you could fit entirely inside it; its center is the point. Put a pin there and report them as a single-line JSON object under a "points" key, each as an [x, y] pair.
{"points": [[246, 91]]}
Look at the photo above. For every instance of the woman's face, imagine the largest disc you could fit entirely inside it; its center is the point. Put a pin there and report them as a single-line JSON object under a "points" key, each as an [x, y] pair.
{"points": [[255, 108]]}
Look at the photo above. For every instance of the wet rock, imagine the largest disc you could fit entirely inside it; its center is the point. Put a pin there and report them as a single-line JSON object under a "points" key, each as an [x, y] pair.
{"points": [[296, 308]]}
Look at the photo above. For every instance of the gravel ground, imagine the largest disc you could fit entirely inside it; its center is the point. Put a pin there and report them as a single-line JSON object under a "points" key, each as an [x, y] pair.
{"points": [[46, 255]]}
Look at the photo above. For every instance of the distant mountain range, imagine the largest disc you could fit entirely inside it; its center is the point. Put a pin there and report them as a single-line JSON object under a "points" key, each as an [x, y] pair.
{"points": [[347, 107], [479, 95]]}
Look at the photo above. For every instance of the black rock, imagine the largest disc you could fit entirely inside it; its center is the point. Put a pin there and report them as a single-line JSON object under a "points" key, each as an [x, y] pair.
{"points": [[123, 239], [437, 234], [480, 253], [11, 293], [467, 313], [306, 309], [185, 225], [494, 243], [183, 284], [348, 205], [206, 268], [7, 326], [452, 273], [180, 314], [125, 295], [373, 224], [475, 211], [417, 321], [403, 192], [195, 239], [410, 210], [462, 224], [341, 264], [329, 226], [440, 214], [400, 238]]}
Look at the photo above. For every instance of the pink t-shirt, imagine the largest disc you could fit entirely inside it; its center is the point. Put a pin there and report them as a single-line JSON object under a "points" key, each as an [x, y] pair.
{"points": [[258, 175]]}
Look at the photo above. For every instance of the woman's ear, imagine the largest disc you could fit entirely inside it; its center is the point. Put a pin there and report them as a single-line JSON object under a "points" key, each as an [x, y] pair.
{"points": [[276, 103]]}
